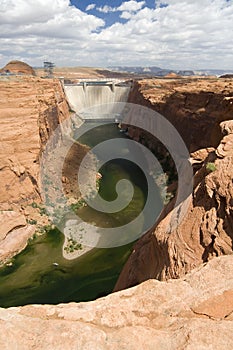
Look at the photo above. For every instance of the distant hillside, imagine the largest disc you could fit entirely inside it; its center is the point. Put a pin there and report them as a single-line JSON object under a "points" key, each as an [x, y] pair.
{"points": [[157, 71], [17, 67], [150, 71]]}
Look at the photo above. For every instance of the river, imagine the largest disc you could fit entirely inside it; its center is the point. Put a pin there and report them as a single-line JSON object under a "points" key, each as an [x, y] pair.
{"points": [[33, 277]]}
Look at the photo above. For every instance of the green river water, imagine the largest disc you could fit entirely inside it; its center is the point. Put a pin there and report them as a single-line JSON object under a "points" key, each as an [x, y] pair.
{"points": [[33, 278]]}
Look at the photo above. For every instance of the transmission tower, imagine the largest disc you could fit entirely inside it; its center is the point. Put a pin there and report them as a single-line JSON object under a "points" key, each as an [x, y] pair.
{"points": [[48, 69]]}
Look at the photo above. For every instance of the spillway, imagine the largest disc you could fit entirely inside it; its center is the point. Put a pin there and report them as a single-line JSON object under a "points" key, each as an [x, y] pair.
{"points": [[83, 97]]}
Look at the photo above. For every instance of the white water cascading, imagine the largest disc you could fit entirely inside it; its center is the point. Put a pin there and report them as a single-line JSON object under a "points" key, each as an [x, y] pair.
{"points": [[82, 99]]}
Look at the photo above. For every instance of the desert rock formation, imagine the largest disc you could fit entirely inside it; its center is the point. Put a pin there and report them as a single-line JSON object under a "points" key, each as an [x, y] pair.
{"points": [[18, 67], [30, 109], [195, 312], [14, 233], [205, 232], [194, 106]]}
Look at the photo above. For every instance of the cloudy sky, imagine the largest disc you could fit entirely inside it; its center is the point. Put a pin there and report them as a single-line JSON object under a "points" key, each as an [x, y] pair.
{"points": [[177, 34]]}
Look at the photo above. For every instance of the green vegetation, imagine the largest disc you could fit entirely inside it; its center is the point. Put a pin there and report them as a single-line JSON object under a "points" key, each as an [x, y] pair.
{"points": [[31, 221], [169, 197], [41, 230], [42, 209], [79, 204], [34, 205], [210, 167], [72, 245], [35, 235], [47, 181]]}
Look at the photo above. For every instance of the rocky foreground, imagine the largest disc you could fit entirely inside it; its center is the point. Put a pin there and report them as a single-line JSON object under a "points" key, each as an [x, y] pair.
{"points": [[195, 312]]}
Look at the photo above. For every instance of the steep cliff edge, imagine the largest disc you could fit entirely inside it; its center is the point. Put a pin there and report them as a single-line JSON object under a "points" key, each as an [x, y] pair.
{"points": [[194, 106], [30, 110], [206, 230], [195, 312]]}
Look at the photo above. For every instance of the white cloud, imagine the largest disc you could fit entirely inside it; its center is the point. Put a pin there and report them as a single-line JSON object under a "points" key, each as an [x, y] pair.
{"points": [[131, 6], [184, 34], [127, 6], [126, 15], [30, 11], [33, 18], [90, 7], [106, 9]]}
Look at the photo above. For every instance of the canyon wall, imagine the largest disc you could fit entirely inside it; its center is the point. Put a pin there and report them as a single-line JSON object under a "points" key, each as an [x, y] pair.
{"points": [[206, 230], [30, 110], [194, 106]]}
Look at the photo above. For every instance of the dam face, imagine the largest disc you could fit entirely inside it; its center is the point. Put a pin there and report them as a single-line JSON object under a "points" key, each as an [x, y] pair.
{"points": [[82, 97]]}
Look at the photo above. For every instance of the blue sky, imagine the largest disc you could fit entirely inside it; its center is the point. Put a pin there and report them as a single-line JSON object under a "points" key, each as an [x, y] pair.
{"points": [[110, 17], [176, 34]]}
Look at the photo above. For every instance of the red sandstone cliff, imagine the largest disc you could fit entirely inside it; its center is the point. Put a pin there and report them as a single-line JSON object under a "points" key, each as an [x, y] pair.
{"points": [[207, 230], [194, 106], [30, 109]]}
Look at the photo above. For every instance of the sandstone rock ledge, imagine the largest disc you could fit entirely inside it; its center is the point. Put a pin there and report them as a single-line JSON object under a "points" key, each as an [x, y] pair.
{"points": [[195, 312], [14, 233]]}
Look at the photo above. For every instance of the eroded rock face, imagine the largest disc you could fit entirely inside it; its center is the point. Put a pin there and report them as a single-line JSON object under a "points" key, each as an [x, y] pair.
{"points": [[195, 107], [30, 109], [205, 232], [14, 233], [195, 312]]}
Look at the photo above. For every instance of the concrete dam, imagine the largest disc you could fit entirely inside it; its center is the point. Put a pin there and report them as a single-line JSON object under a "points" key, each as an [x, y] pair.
{"points": [[97, 100]]}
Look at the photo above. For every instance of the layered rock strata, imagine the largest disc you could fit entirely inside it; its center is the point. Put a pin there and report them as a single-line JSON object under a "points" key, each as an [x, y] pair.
{"points": [[30, 110], [205, 232], [195, 107]]}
